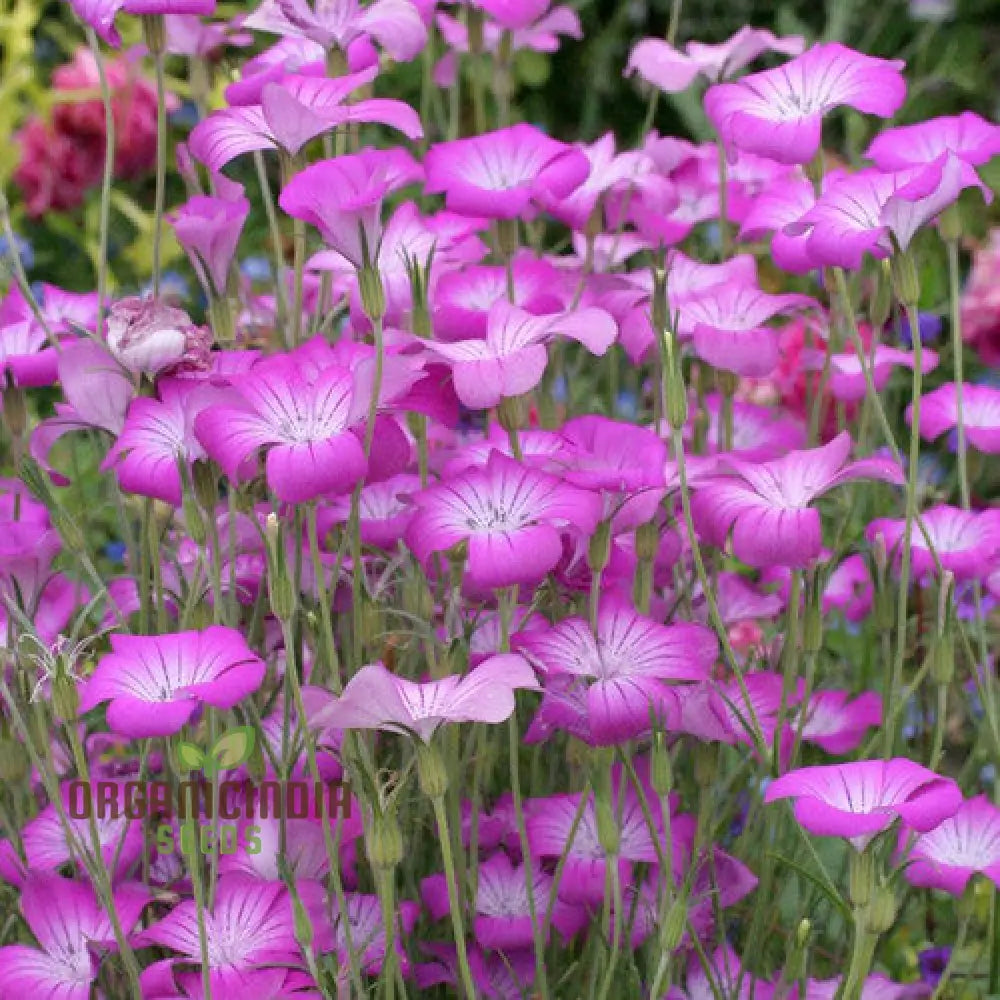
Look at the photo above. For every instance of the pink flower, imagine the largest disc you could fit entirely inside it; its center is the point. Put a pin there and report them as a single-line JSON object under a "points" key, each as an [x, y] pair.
{"points": [[501, 175], [291, 113], [660, 64], [774, 211], [760, 433], [396, 25], [375, 698], [981, 302], [980, 415], [209, 229], [966, 542], [862, 798], [343, 198], [628, 664], [512, 358], [779, 113], [67, 921], [363, 921], [964, 844], [250, 926], [502, 914], [305, 419], [511, 516], [157, 434], [847, 376], [968, 136], [154, 683], [766, 505], [836, 722], [856, 213], [726, 326], [149, 337]]}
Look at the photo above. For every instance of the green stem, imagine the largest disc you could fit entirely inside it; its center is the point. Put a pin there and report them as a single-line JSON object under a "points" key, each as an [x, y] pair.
{"points": [[159, 197], [107, 176]]}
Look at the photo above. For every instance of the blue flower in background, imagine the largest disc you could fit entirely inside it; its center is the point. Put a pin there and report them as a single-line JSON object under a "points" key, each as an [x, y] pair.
{"points": [[115, 552], [930, 329], [24, 249], [186, 115], [256, 268], [627, 405], [932, 963]]}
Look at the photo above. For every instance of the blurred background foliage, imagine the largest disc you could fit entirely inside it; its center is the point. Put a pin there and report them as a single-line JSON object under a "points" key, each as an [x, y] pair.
{"points": [[951, 47]]}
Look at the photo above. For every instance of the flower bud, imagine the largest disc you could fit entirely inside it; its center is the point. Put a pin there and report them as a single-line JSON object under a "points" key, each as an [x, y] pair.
{"points": [[432, 774], [149, 337], [860, 878], [906, 280], [154, 33], [599, 548], [509, 414], [384, 842], [661, 771], [941, 660], [507, 237], [672, 930], [950, 223], [14, 762], [647, 541], [65, 697], [302, 923], [608, 834], [15, 411], [881, 910], [372, 292]]}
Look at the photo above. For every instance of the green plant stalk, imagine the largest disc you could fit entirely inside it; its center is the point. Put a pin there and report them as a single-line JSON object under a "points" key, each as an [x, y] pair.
{"points": [[107, 175], [386, 895], [267, 197], [454, 902], [327, 641], [789, 662], [159, 197]]}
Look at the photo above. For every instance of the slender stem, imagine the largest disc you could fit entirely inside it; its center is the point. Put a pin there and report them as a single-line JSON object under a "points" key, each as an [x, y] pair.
{"points": [[159, 197], [386, 894], [949, 969], [107, 176], [455, 904]]}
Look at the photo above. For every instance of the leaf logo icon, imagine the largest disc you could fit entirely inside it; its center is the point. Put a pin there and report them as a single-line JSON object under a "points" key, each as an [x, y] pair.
{"points": [[189, 756], [230, 750]]}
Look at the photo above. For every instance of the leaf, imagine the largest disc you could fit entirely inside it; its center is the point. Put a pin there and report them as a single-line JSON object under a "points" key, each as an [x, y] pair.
{"points": [[233, 748], [189, 756]]}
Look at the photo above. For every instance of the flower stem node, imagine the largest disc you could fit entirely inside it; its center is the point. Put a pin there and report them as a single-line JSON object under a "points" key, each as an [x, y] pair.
{"points": [[905, 279], [647, 541], [861, 878], [372, 293], [881, 910], [672, 930], [432, 774], [599, 548]]}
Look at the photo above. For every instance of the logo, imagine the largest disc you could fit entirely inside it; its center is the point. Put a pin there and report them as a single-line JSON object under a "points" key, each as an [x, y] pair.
{"points": [[208, 812]]}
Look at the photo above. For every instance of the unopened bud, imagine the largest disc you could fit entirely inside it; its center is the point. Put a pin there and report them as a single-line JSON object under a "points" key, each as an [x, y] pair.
{"points": [[384, 842], [950, 223], [15, 411], [906, 280], [65, 697], [193, 522], [661, 771], [154, 33], [509, 414], [432, 774], [206, 485], [880, 304], [372, 293], [881, 910], [860, 878], [672, 931], [647, 541], [599, 548]]}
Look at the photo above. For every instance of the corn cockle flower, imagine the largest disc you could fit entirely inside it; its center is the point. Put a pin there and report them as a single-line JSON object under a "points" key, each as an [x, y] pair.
{"points": [[864, 212], [502, 911], [100, 14], [511, 516], [628, 664], [847, 378], [512, 358], [773, 211], [963, 845], [504, 174], [304, 420], [69, 923], [335, 24], [836, 722], [250, 926], [980, 415], [968, 136], [779, 113], [361, 929], [209, 229], [860, 799], [343, 198], [726, 326], [660, 64], [375, 698], [291, 113], [154, 683], [766, 505], [965, 541]]}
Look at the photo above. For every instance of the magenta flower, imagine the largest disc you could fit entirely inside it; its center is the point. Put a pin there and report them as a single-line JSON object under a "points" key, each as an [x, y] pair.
{"points": [[343, 198], [964, 844], [335, 24], [779, 113], [836, 722], [68, 921], [250, 926], [501, 175], [375, 698], [660, 64], [774, 211], [965, 541], [628, 664], [384, 510], [862, 798], [502, 913], [209, 229], [291, 113], [512, 358], [367, 931], [849, 588], [157, 434], [303, 419], [968, 136], [154, 683], [860, 213], [760, 433], [980, 415], [511, 516], [847, 371], [766, 505], [100, 14], [726, 326]]}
